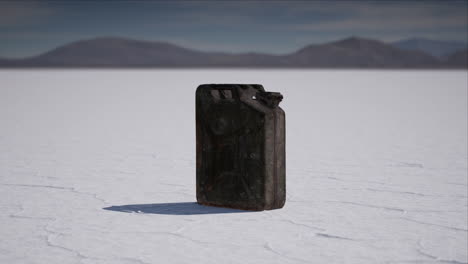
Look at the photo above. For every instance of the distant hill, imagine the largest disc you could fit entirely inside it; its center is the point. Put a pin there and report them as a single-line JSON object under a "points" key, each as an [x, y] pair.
{"points": [[110, 52], [458, 59], [436, 48], [361, 53], [122, 52]]}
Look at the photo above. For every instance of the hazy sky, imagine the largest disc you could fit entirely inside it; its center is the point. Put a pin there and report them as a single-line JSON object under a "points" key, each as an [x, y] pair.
{"points": [[32, 27]]}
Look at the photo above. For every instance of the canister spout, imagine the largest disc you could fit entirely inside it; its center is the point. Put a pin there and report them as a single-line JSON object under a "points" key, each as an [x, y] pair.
{"points": [[271, 99]]}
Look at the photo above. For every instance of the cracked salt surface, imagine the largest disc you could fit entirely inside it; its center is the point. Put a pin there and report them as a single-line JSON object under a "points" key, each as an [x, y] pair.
{"points": [[99, 167]]}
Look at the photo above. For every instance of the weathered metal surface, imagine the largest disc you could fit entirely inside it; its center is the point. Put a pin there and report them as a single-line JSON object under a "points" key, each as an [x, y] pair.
{"points": [[240, 132]]}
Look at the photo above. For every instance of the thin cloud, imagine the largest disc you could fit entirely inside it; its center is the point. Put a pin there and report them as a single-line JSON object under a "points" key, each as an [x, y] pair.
{"points": [[20, 13], [389, 21]]}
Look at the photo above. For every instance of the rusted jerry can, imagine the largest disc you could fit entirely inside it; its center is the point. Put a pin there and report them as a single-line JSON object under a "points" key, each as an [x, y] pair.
{"points": [[240, 147]]}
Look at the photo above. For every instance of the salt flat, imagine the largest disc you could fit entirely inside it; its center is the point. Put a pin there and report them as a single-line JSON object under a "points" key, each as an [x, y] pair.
{"points": [[97, 166]]}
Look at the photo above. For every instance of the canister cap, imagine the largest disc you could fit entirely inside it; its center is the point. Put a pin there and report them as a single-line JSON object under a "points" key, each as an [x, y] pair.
{"points": [[271, 99]]}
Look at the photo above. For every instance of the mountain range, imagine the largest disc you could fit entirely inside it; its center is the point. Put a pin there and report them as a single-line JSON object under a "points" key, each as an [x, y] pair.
{"points": [[437, 48], [353, 52]]}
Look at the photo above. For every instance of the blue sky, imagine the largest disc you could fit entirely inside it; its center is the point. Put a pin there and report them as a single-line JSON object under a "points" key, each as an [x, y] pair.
{"points": [[31, 27]]}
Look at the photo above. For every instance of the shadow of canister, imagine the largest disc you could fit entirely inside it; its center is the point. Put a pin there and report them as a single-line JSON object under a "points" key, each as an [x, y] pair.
{"points": [[186, 208]]}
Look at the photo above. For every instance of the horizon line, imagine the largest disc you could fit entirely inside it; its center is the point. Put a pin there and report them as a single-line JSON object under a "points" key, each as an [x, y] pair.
{"points": [[225, 52]]}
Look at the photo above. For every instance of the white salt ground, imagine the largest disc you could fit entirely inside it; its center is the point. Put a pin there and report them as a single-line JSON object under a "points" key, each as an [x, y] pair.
{"points": [[376, 169]]}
